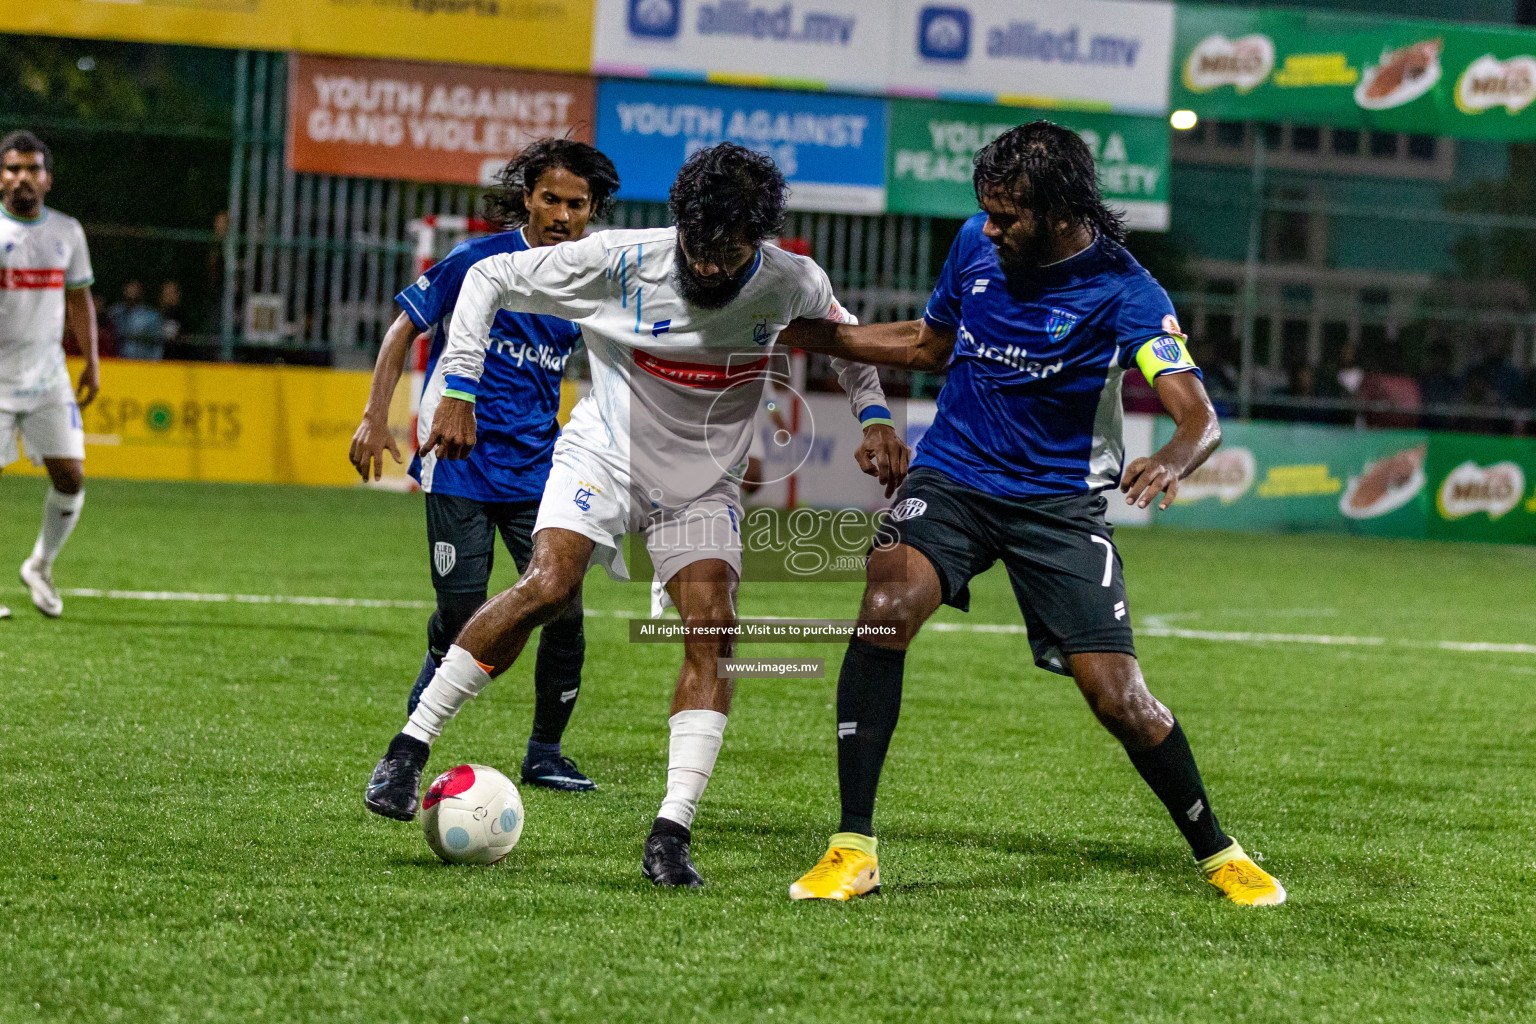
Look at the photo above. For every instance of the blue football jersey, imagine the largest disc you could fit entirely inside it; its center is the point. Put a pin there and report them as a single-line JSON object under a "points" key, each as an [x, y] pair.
{"points": [[515, 426], [1031, 406]]}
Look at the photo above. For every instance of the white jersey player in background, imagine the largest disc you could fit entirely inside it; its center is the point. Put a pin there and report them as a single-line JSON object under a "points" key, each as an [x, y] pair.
{"points": [[45, 279], [680, 325]]}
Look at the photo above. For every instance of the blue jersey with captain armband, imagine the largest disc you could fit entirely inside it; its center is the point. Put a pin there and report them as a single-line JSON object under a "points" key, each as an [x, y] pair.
{"points": [[519, 394], [1031, 407]]}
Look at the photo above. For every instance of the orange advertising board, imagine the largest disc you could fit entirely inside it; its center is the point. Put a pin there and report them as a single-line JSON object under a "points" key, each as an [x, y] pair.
{"points": [[425, 122]]}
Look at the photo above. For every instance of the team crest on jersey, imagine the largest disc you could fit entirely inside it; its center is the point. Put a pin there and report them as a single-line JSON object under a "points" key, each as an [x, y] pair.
{"points": [[423, 283], [1059, 323], [444, 557], [911, 508], [1168, 350], [583, 495]]}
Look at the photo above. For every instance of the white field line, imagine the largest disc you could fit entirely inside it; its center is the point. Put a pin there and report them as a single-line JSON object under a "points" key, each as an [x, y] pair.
{"points": [[1215, 636]]}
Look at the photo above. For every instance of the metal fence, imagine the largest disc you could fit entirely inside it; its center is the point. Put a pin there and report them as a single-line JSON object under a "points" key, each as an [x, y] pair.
{"points": [[327, 254]]}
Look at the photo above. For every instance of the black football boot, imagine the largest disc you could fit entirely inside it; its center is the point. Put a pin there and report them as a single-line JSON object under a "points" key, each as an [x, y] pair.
{"points": [[394, 787], [666, 861]]}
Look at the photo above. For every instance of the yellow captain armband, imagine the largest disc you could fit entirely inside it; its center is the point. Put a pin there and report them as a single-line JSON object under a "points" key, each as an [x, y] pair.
{"points": [[1163, 354]]}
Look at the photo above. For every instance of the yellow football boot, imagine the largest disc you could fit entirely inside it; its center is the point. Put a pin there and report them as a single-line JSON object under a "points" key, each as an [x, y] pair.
{"points": [[849, 868], [1241, 880]]}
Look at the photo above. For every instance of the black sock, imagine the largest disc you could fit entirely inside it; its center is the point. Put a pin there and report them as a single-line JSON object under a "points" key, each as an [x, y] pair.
{"points": [[1169, 768], [557, 677], [868, 704], [668, 827], [411, 746]]}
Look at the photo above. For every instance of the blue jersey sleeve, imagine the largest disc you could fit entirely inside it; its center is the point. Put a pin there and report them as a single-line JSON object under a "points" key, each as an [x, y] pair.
{"points": [[1149, 334], [432, 295], [944, 304]]}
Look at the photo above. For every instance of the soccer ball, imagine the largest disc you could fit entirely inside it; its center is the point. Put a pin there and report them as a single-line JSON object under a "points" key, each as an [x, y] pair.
{"points": [[472, 815]]}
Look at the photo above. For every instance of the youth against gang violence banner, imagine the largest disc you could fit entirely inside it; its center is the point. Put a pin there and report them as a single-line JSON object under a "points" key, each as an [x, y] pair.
{"points": [[831, 148], [933, 145], [1354, 71], [424, 122]]}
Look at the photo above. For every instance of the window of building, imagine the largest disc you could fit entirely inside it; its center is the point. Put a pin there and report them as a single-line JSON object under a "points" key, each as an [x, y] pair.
{"points": [[1346, 142], [1384, 144], [1421, 147], [1274, 136], [1306, 138], [1230, 133]]}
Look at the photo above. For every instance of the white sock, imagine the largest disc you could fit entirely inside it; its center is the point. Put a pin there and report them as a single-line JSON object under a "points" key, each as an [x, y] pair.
{"points": [[60, 514], [696, 739], [458, 678]]}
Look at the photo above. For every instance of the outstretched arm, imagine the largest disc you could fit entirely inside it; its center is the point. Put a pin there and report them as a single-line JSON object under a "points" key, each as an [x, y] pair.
{"points": [[907, 345], [1196, 435], [373, 436]]}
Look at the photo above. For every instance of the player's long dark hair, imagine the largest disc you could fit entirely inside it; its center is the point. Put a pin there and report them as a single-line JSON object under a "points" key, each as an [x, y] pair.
{"points": [[505, 204], [1048, 170], [727, 193]]}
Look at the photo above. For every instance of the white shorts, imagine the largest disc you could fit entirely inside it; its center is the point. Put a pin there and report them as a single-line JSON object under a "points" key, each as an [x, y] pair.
{"points": [[582, 496], [49, 431]]}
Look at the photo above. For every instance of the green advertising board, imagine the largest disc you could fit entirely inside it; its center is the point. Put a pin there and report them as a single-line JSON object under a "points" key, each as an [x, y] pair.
{"points": [[1277, 477], [1273, 477], [1483, 488], [928, 168], [1348, 71]]}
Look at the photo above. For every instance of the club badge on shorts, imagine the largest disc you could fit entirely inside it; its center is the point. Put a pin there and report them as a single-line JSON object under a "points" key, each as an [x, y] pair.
{"points": [[444, 557], [911, 508]]}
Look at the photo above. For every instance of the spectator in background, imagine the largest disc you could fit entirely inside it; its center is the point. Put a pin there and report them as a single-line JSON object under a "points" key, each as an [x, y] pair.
{"points": [[169, 308], [1385, 383], [1350, 374], [1439, 384], [137, 325], [1311, 390]]}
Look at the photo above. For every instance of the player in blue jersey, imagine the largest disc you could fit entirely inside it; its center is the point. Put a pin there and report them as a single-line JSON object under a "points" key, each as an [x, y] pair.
{"points": [[1038, 312], [548, 192]]}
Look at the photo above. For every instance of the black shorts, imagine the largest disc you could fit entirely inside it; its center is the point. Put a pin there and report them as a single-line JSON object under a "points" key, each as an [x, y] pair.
{"points": [[461, 539], [1060, 557]]}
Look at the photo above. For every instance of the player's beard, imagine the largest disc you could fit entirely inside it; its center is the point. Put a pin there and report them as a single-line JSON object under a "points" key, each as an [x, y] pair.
{"points": [[23, 199], [706, 296], [1027, 256]]}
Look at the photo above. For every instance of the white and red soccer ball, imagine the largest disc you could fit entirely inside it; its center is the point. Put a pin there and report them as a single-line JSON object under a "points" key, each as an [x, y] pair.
{"points": [[472, 815]]}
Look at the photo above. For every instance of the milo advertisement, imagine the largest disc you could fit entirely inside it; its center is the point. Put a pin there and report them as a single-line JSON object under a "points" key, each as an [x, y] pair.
{"points": [[1355, 71], [1484, 488], [1277, 478]]}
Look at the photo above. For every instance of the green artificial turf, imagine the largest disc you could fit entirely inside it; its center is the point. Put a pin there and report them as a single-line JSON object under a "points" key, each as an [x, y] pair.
{"points": [[184, 838]]}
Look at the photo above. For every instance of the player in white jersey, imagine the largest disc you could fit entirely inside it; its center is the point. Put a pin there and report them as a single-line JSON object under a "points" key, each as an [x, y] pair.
{"points": [[45, 279], [679, 325]]}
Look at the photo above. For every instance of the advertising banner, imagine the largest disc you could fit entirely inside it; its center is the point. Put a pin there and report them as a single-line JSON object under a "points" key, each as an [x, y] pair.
{"points": [[221, 421], [553, 35], [424, 122], [933, 144], [807, 44], [1273, 477], [831, 148], [1089, 54], [1353, 71], [1484, 488]]}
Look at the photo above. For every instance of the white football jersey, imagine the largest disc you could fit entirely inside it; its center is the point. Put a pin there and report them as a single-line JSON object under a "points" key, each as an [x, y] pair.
{"points": [[38, 260], [675, 387]]}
